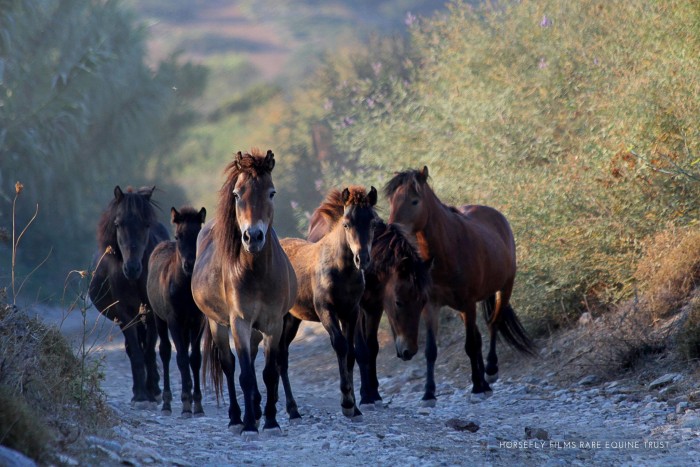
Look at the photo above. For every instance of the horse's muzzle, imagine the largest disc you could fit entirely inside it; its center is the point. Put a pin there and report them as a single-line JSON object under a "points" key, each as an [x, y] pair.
{"points": [[403, 351], [362, 260], [132, 270], [253, 239]]}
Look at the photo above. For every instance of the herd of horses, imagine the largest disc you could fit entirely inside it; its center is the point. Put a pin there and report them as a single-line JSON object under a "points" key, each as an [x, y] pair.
{"points": [[233, 275]]}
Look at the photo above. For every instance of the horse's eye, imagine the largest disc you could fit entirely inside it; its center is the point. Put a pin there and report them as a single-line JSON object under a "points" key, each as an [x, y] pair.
{"points": [[177, 237], [399, 304], [272, 194], [346, 226], [414, 202], [235, 195], [116, 223]]}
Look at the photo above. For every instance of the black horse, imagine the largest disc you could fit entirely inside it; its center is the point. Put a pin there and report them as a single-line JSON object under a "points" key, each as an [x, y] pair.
{"points": [[127, 233], [170, 295]]}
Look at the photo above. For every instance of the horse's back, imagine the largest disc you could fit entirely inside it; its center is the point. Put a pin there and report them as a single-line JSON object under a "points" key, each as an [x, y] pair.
{"points": [[492, 223], [158, 285]]}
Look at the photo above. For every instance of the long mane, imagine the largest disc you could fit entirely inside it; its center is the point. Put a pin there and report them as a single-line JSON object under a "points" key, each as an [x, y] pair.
{"points": [[392, 249], [226, 231], [419, 182], [135, 202]]}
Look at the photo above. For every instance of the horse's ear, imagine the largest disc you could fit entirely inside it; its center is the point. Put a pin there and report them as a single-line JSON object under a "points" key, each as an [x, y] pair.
{"points": [[424, 173], [404, 266], [372, 196], [118, 193], [202, 215], [238, 158], [148, 193], [270, 160], [346, 196], [428, 263], [174, 216]]}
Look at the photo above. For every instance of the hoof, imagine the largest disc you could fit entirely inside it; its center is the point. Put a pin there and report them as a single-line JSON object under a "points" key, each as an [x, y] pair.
{"points": [[480, 397], [186, 414], [199, 414], [491, 378], [250, 435], [237, 429], [295, 420], [349, 412], [166, 412], [273, 432], [159, 398], [428, 402], [379, 404], [140, 405], [357, 418], [369, 406]]}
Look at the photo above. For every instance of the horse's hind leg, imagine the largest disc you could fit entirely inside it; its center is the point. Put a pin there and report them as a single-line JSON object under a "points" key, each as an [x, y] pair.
{"points": [[242, 335], [366, 350], [472, 346], [289, 331], [489, 305], [255, 339], [271, 376], [430, 318], [165, 351], [138, 366], [195, 365]]}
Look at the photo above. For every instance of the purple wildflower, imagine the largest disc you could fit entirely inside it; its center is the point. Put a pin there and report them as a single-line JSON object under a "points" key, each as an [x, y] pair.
{"points": [[328, 105], [410, 19], [377, 67], [543, 64], [546, 22], [294, 204]]}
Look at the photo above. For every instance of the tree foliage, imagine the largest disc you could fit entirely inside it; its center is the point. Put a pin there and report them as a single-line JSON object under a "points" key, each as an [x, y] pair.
{"points": [[80, 111]]}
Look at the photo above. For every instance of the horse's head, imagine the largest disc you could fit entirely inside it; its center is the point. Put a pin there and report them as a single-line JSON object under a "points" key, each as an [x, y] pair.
{"points": [[132, 215], [406, 193], [246, 207], [359, 221], [406, 281], [188, 222]]}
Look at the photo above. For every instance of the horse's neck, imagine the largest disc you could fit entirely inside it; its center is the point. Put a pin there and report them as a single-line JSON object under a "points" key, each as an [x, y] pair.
{"points": [[432, 239], [336, 247], [260, 264]]}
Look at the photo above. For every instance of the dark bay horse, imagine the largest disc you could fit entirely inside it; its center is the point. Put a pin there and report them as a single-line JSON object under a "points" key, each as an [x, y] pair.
{"points": [[331, 283], [473, 255], [170, 295], [127, 233], [397, 280], [243, 280]]}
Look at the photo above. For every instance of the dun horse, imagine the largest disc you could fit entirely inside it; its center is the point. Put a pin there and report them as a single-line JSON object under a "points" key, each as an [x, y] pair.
{"points": [[127, 233], [397, 280], [170, 295], [331, 283], [474, 260], [243, 280]]}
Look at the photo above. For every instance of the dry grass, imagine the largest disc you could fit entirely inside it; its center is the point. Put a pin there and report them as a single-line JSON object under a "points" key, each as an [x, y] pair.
{"points": [[43, 407], [669, 270]]}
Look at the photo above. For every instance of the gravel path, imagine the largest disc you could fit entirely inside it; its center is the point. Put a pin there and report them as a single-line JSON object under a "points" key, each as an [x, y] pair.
{"points": [[527, 421]]}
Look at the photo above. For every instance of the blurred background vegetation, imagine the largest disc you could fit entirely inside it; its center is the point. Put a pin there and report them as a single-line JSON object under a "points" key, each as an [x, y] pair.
{"points": [[578, 120]]}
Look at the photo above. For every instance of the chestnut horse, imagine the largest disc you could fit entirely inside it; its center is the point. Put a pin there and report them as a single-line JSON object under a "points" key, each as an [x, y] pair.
{"points": [[397, 280], [474, 261], [331, 283], [127, 233], [170, 294], [243, 280]]}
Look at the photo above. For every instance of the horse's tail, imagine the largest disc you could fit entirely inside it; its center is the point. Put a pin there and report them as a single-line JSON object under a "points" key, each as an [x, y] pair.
{"points": [[506, 322], [212, 364]]}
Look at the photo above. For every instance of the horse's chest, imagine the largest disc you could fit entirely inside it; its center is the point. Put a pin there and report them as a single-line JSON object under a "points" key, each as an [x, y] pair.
{"points": [[346, 287]]}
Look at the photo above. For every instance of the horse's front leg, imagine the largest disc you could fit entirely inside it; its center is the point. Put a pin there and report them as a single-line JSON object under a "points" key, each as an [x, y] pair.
{"points": [[341, 346], [138, 365], [196, 365], [289, 331], [371, 331], [430, 318], [151, 338], [181, 338], [472, 346], [242, 333], [165, 351], [222, 361]]}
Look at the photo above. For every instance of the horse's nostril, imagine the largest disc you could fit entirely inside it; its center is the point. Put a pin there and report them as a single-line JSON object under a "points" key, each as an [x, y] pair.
{"points": [[246, 236], [259, 236], [407, 355]]}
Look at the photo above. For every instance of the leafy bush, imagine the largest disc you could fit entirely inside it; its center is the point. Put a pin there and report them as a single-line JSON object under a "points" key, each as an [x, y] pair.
{"points": [[578, 120]]}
